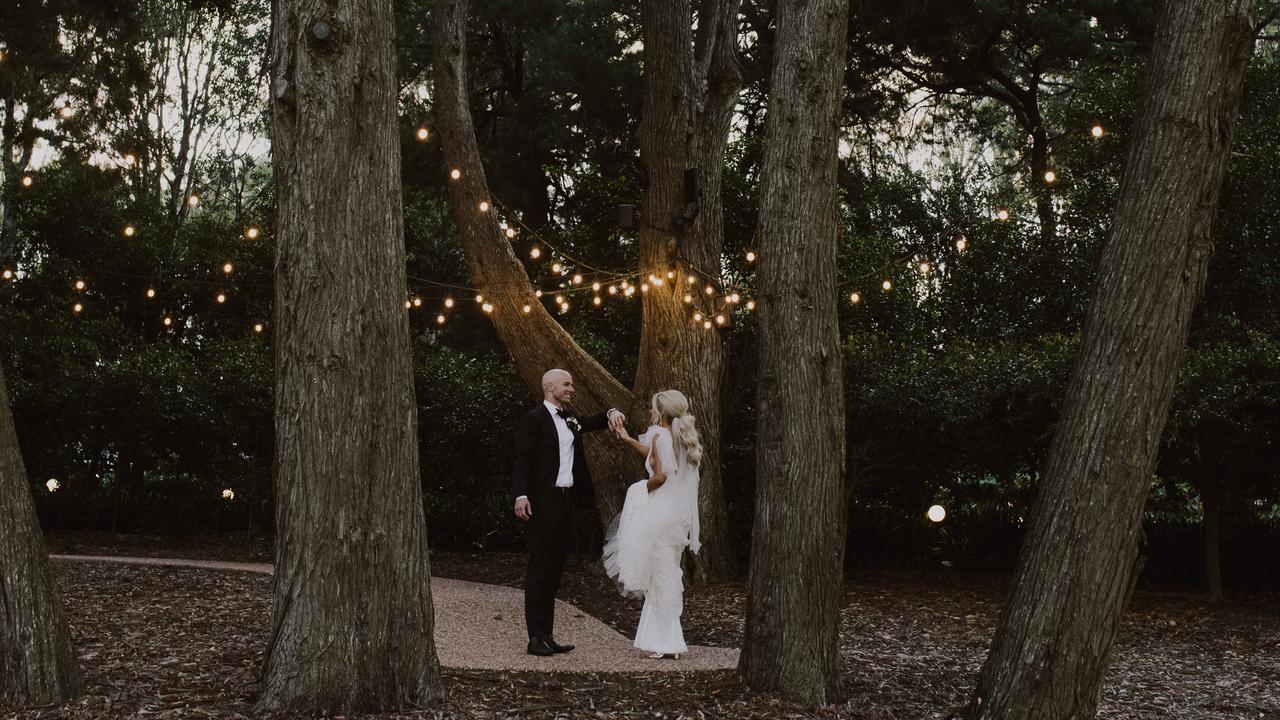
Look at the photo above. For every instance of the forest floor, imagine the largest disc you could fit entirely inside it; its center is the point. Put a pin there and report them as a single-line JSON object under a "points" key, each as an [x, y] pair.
{"points": [[188, 643]]}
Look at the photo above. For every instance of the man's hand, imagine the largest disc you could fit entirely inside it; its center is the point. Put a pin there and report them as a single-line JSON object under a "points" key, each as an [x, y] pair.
{"points": [[617, 421], [524, 510]]}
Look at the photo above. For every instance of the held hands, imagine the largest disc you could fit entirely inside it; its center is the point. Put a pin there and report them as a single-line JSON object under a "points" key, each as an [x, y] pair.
{"points": [[617, 421], [524, 510]]}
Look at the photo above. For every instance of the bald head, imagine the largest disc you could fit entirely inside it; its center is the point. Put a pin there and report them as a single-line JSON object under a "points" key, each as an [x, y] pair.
{"points": [[557, 387]]}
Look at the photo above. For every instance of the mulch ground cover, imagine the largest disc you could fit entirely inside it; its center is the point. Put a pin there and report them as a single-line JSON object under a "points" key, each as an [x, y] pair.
{"points": [[187, 643]]}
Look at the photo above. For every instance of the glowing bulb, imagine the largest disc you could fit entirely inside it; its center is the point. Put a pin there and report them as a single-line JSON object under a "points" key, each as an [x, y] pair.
{"points": [[751, 256], [77, 307], [688, 298], [511, 232], [697, 316], [596, 300], [671, 274], [67, 111], [53, 485], [657, 281], [1050, 176], [1002, 215], [257, 327], [937, 513], [527, 309], [735, 298], [629, 291], [26, 181], [961, 245], [924, 268], [487, 307], [1096, 131], [711, 290], [455, 173], [692, 280], [129, 230], [644, 288], [479, 298], [751, 304], [595, 287], [720, 320], [559, 299], [613, 289], [577, 279], [440, 319], [448, 302], [168, 321], [564, 307], [222, 298], [8, 274], [706, 325], [423, 133], [193, 201], [407, 304], [151, 292], [535, 253], [417, 302], [252, 233], [484, 206], [227, 268], [79, 284], [855, 298], [557, 267], [887, 285], [228, 494], [130, 159]]}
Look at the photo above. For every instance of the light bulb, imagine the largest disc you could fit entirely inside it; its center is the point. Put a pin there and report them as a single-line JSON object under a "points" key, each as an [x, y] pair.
{"points": [[455, 173], [1002, 215], [227, 268], [252, 233], [8, 274], [855, 298], [535, 253], [129, 230], [168, 321], [440, 319], [577, 279], [151, 292], [924, 268], [423, 133], [1050, 176], [228, 494], [527, 309], [417, 302], [53, 485], [193, 201], [937, 513], [697, 316], [487, 307], [596, 300], [77, 307], [557, 267], [751, 304], [511, 232], [257, 327], [79, 284], [961, 245], [887, 285], [448, 302], [484, 206], [1096, 131], [222, 298], [26, 181], [751, 256]]}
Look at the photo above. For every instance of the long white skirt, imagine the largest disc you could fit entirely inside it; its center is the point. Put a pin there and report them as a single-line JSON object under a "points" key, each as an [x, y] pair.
{"points": [[642, 553]]}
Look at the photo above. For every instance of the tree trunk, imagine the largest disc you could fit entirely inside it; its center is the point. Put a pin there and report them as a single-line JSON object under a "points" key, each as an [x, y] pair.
{"points": [[1211, 500], [690, 88], [1079, 561], [352, 623], [37, 662], [797, 554]]}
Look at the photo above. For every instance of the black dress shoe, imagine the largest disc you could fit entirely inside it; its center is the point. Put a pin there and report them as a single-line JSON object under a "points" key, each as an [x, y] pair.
{"points": [[558, 647], [540, 646]]}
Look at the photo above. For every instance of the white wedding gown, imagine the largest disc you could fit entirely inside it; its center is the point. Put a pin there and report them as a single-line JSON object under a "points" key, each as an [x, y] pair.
{"points": [[644, 543]]}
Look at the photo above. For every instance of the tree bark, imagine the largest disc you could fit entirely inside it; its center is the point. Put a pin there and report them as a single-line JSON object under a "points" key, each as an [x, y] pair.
{"points": [[352, 623], [1211, 500], [690, 88], [1080, 559], [797, 555], [37, 663]]}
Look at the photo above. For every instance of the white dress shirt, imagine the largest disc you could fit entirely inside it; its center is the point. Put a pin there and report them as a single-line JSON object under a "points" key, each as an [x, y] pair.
{"points": [[565, 478]]}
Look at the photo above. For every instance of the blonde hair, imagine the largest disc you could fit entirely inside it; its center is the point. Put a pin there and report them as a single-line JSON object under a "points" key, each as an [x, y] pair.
{"points": [[673, 405]]}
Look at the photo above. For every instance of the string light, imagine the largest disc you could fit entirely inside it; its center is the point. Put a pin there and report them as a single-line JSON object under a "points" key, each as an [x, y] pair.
{"points": [[407, 304], [855, 298], [924, 268], [129, 230], [455, 173], [751, 305], [630, 290], [228, 494], [596, 300], [417, 302], [53, 485], [8, 274], [252, 233], [537, 293], [613, 289], [527, 308], [129, 159], [221, 298], [720, 319], [688, 298], [706, 325], [534, 252], [577, 279], [671, 274], [556, 268], [595, 287], [151, 292], [440, 319], [1050, 176], [937, 513], [887, 285], [1002, 214], [67, 111], [77, 307], [564, 307], [711, 290], [734, 298], [227, 268], [487, 307], [80, 285], [511, 233], [168, 321], [423, 133], [479, 298], [693, 280], [484, 206], [193, 201], [697, 316], [961, 244], [1096, 131], [257, 327], [448, 302], [751, 256], [27, 181]]}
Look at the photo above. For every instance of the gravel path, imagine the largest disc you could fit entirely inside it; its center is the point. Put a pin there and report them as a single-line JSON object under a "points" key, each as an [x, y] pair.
{"points": [[481, 627]]}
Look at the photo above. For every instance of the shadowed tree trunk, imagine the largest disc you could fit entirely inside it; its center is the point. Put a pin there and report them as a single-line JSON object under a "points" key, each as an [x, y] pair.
{"points": [[690, 87], [1211, 498], [1080, 559], [797, 551], [37, 663], [351, 625]]}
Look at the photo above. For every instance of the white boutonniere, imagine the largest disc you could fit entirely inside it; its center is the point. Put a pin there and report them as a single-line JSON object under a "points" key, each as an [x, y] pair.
{"points": [[573, 424]]}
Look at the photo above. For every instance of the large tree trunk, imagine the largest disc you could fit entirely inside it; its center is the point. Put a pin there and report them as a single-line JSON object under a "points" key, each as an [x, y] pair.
{"points": [[1080, 560], [690, 88], [797, 553], [37, 663], [675, 355], [351, 625]]}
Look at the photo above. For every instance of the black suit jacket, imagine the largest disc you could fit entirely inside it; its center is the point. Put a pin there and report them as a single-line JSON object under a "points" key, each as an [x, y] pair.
{"points": [[536, 451]]}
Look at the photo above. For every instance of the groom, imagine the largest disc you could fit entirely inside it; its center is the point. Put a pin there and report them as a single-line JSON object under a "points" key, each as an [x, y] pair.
{"points": [[548, 478]]}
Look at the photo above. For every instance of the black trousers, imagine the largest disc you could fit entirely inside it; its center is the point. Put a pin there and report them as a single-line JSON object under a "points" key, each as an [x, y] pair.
{"points": [[548, 535]]}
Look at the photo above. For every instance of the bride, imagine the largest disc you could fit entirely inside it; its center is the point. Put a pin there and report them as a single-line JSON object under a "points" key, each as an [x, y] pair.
{"points": [[659, 520]]}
